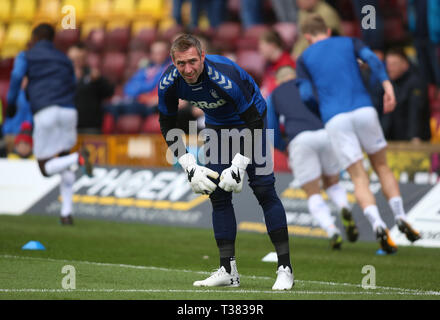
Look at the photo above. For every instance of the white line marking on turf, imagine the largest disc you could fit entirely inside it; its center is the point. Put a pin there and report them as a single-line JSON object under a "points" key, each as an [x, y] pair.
{"points": [[103, 264], [292, 292]]}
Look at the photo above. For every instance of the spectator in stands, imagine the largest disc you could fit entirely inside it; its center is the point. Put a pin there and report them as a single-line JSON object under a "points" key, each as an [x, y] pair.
{"points": [[140, 91], [373, 37], [251, 12], [424, 24], [285, 10], [12, 125], [271, 47], [91, 90], [327, 12], [23, 143], [410, 119], [215, 10]]}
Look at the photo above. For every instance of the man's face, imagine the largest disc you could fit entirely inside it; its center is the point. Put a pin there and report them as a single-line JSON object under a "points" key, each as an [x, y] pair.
{"points": [[77, 56], [189, 64], [159, 52], [266, 49], [396, 66]]}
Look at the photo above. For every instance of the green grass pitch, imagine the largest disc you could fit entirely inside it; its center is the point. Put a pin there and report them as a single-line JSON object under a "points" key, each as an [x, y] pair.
{"points": [[138, 261]]}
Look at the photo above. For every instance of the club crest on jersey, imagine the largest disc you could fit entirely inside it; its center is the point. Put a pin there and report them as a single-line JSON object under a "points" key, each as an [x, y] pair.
{"points": [[214, 94]]}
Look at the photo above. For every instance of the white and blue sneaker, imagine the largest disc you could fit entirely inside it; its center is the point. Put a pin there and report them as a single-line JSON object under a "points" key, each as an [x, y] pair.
{"points": [[284, 280], [221, 278]]}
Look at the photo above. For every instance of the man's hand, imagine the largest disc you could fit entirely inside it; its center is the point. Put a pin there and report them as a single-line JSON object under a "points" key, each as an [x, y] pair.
{"points": [[389, 99], [231, 178], [198, 175]]}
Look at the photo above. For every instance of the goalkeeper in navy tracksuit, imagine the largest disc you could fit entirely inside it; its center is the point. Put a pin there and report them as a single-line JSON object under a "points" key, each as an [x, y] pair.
{"points": [[230, 99]]}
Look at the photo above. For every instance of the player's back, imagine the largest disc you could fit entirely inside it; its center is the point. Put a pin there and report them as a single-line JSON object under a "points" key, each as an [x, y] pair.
{"points": [[332, 66], [51, 77]]}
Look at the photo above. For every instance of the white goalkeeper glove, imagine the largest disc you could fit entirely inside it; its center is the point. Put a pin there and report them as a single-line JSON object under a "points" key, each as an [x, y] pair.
{"points": [[231, 178], [198, 175]]}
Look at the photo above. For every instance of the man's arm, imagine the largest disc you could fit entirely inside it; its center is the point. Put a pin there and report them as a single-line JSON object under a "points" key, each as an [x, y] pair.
{"points": [[365, 54], [274, 123], [304, 83], [18, 72], [139, 84]]}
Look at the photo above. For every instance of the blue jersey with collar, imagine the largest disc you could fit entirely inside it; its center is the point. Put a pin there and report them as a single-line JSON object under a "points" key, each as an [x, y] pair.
{"points": [[224, 92], [332, 68]]}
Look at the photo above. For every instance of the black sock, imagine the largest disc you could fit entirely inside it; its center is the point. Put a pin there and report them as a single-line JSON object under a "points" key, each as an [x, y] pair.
{"points": [[280, 240], [226, 263]]}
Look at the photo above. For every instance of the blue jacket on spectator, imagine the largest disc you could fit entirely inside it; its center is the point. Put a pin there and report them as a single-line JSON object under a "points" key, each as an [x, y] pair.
{"points": [[145, 80]]}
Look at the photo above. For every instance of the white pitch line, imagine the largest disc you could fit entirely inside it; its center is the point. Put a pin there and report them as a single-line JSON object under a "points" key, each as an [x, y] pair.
{"points": [[291, 292], [103, 264]]}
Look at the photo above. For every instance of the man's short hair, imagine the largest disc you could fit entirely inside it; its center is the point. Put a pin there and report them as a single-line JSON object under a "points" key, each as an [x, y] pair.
{"points": [[272, 36], [314, 25], [185, 42], [398, 52], [43, 31]]}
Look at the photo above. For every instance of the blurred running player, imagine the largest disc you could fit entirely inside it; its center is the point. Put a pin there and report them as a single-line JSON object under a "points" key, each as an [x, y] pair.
{"points": [[230, 99], [330, 66], [311, 156], [51, 91]]}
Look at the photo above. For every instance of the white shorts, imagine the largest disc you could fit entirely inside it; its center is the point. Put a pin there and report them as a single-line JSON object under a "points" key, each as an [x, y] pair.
{"points": [[350, 132], [311, 156], [54, 131]]}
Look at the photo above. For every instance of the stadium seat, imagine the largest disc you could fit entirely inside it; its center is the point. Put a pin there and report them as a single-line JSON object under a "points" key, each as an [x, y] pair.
{"points": [[80, 8], [280, 161], [122, 10], [48, 11], [117, 39], [253, 62], [227, 35], [351, 29], [133, 62], [435, 127], [170, 33], [151, 9], [108, 124], [435, 105], [94, 60], [23, 10], [95, 39], [98, 10], [394, 30], [288, 32], [6, 67], [251, 36], [16, 38], [4, 87], [113, 66], [5, 10], [143, 38], [2, 33], [66, 38], [128, 124], [151, 124]]}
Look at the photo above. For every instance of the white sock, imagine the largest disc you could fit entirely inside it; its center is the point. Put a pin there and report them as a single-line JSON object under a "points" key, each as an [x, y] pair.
{"points": [[396, 205], [338, 195], [321, 212], [66, 191], [372, 214], [60, 164]]}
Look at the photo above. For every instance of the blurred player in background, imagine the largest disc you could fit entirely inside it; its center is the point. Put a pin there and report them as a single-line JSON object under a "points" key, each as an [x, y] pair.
{"points": [[51, 93], [311, 156], [330, 65], [230, 99]]}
